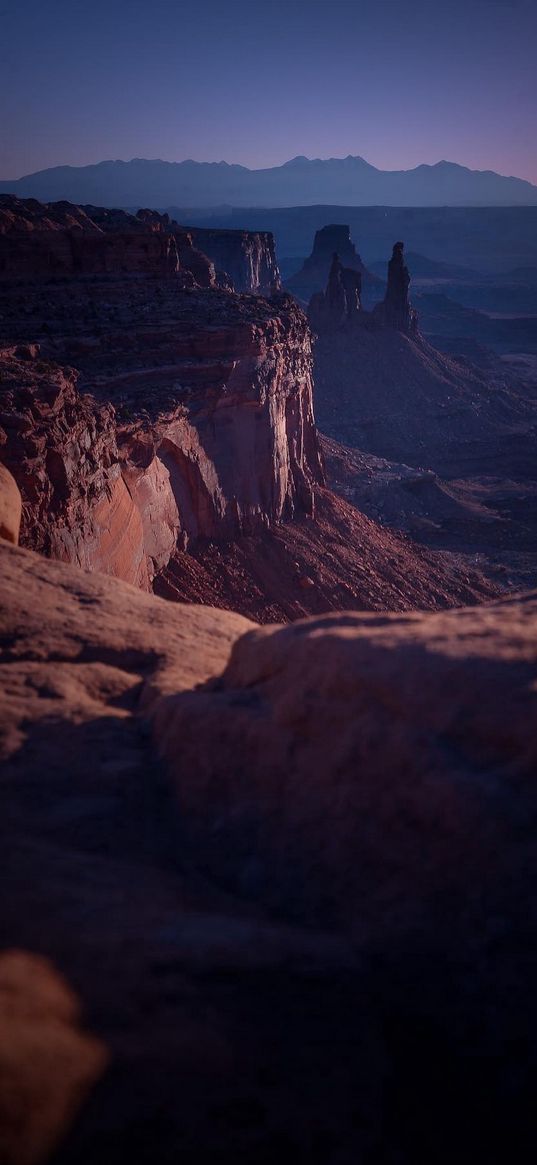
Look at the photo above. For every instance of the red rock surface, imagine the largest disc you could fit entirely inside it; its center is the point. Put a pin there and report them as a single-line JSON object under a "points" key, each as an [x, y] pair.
{"points": [[337, 562], [371, 771], [10, 506], [58, 238], [204, 426], [149, 422], [360, 734]]}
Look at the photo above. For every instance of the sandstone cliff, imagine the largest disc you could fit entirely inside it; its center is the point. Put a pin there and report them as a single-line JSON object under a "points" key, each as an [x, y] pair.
{"points": [[206, 430], [248, 257], [63, 240], [161, 429], [58, 239]]}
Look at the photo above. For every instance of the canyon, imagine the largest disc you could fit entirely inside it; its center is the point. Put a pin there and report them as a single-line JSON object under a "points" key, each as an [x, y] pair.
{"points": [[437, 445], [267, 725], [152, 417]]}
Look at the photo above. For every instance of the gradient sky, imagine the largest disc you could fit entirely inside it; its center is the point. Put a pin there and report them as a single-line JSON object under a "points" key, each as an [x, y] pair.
{"points": [[259, 81]]}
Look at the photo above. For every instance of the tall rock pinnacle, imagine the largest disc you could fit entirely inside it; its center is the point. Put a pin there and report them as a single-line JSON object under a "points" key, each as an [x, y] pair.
{"points": [[397, 310], [341, 300]]}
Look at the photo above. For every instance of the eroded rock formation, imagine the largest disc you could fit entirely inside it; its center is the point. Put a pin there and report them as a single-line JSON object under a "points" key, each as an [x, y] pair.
{"points": [[207, 431], [248, 257], [314, 275], [340, 303], [396, 310], [58, 239], [63, 240], [163, 432]]}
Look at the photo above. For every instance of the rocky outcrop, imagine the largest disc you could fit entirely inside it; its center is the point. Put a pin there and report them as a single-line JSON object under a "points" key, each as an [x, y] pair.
{"points": [[61, 240], [205, 431], [62, 448], [150, 422], [352, 792], [340, 303], [373, 772], [10, 506], [396, 310], [248, 257], [154, 411], [170, 495], [313, 276]]}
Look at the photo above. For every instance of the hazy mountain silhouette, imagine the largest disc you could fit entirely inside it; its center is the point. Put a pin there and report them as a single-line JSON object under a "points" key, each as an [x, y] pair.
{"points": [[302, 181]]}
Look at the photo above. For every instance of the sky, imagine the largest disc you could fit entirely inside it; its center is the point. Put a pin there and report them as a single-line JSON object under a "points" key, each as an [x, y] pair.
{"points": [[259, 81]]}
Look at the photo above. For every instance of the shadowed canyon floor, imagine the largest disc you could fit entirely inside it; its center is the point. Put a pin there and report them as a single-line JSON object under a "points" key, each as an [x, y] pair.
{"points": [[438, 446], [339, 561]]}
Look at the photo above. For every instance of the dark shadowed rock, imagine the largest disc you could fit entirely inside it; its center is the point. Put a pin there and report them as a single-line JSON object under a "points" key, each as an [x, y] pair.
{"points": [[340, 303], [248, 257], [396, 310], [374, 772], [316, 270]]}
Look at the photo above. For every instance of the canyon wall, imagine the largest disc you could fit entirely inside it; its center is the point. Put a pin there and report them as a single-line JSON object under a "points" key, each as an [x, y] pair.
{"points": [[58, 239], [248, 257], [205, 431], [161, 428], [142, 406]]}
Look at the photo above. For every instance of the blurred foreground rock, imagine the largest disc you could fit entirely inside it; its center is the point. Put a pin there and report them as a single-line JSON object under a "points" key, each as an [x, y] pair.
{"points": [[288, 872]]}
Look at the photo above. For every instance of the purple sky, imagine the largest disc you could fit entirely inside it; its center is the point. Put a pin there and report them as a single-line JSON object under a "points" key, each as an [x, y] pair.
{"points": [[258, 81]]}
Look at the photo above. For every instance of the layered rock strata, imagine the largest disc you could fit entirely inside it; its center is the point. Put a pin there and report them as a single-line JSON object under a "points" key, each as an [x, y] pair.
{"points": [[163, 432], [59, 239], [248, 257], [205, 430], [63, 240]]}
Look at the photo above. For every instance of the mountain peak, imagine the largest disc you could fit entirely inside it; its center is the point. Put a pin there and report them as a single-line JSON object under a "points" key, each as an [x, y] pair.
{"points": [[301, 181]]}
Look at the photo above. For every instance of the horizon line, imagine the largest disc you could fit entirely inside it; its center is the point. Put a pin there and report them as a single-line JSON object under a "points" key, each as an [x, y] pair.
{"points": [[258, 169]]}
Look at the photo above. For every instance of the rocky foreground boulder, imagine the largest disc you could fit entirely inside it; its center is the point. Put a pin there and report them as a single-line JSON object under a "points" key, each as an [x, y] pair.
{"points": [[288, 872]]}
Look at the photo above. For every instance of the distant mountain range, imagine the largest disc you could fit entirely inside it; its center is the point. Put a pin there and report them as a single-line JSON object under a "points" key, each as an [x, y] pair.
{"points": [[347, 181]]}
